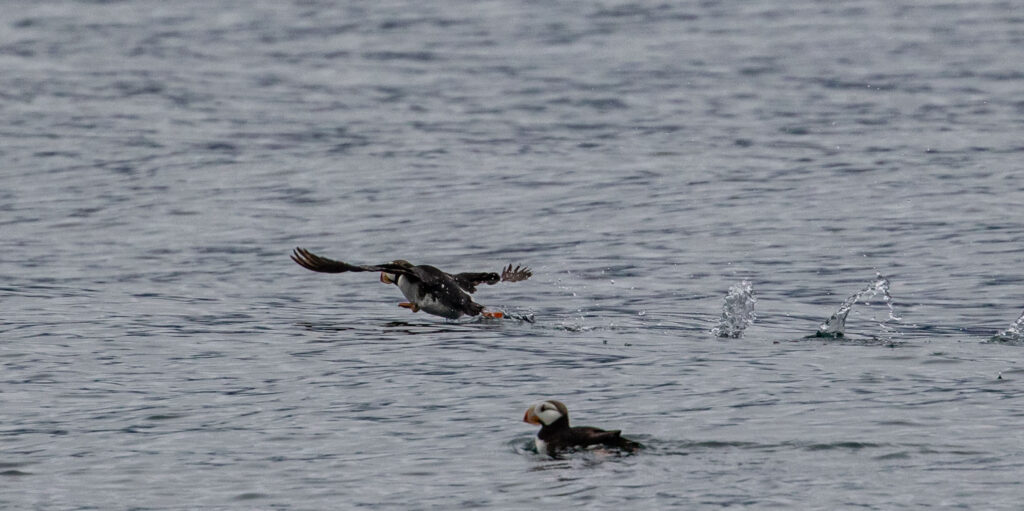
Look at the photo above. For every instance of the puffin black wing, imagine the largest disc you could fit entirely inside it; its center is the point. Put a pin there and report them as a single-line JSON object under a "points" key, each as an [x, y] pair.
{"points": [[515, 275], [585, 435], [469, 281], [311, 261]]}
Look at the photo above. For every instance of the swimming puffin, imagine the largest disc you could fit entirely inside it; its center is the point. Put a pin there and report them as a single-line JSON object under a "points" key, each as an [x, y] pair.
{"points": [[427, 288], [555, 434]]}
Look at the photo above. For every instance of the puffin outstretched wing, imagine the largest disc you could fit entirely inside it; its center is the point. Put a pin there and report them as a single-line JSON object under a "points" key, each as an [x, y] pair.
{"points": [[469, 281], [311, 261], [516, 274]]}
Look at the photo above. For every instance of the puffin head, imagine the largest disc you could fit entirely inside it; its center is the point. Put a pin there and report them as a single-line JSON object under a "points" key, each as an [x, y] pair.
{"points": [[546, 413], [391, 278]]}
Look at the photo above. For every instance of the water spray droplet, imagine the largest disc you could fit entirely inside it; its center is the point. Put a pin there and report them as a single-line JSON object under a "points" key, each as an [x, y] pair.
{"points": [[737, 311], [1012, 335], [835, 325]]}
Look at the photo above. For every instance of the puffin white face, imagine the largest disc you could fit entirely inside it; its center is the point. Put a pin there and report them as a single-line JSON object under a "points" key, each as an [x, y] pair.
{"points": [[545, 413]]}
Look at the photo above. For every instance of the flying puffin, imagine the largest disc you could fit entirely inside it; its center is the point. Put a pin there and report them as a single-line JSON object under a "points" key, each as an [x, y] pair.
{"points": [[556, 435], [426, 287]]}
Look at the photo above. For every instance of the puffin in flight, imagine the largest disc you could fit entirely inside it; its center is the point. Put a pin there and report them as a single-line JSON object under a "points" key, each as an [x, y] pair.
{"points": [[427, 288], [556, 435]]}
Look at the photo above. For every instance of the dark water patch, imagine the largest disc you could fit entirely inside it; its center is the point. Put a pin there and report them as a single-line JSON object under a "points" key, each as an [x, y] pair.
{"points": [[201, 355], [852, 340], [165, 416], [251, 496], [665, 447], [35, 431], [941, 360], [408, 328], [603, 104], [220, 147], [414, 56], [846, 446], [325, 327], [900, 455], [395, 24], [309, 353], [902, 423]]}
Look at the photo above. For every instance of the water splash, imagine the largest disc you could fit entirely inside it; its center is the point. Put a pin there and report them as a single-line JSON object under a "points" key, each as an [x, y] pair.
{"points": [[508, 313], [835, 326], [520, 314], [737, 311], [1012, 335]]}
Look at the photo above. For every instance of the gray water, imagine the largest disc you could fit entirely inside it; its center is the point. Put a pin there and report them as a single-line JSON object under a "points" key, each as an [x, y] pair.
{"points": [[158, 349]]}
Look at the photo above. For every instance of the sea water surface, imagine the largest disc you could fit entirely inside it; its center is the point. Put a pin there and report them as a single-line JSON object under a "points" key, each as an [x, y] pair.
{"points": [[159, 350]]}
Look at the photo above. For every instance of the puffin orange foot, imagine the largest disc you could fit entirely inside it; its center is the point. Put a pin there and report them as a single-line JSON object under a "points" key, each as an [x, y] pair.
{"points": [[411, 306], [493, 315]]}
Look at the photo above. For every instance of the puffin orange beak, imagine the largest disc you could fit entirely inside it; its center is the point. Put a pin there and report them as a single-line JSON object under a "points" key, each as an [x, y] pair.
{"points": [[384, 278], [531, 417]]}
